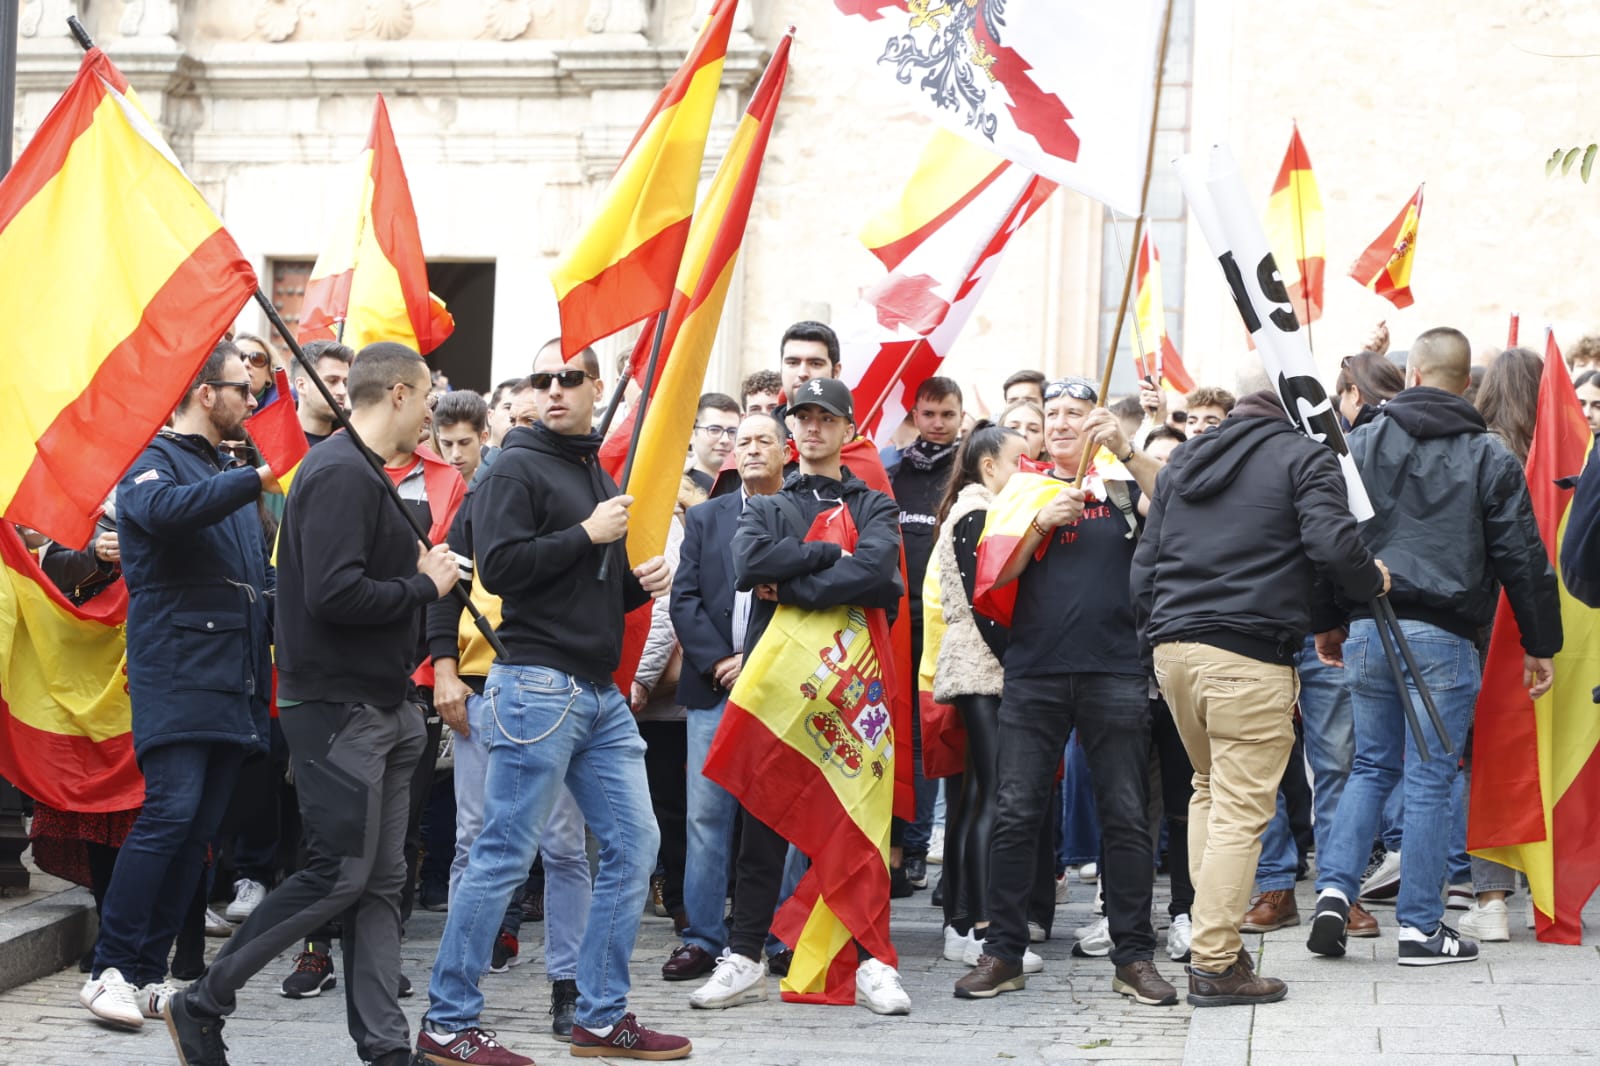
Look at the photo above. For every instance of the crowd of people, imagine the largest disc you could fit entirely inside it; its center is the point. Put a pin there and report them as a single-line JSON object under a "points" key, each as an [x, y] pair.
{"points": [[1174, 664]]}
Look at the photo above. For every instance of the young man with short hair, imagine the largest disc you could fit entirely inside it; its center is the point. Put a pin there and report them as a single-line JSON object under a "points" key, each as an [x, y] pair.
{"points": [[1205, 408], [1024, 385], [461, 431], [760, 392], [332, 361], [716, 421]]}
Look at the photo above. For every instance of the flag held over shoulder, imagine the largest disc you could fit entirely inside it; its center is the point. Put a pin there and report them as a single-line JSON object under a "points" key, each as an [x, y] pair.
{"points": [[116, 280]]}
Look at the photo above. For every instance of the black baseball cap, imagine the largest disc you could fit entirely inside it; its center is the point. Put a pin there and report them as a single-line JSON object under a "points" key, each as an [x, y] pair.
{"points": [[830, 394]]}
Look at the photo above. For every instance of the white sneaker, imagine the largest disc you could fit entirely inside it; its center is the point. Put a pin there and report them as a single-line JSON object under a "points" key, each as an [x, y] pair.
{"points": [[736, 980], [955, 945], [1459, 897], [1036, 933], [153, 997], [1180, 935], [936, 845], [247, 896], [1063, 888], [879, 990], [1031, 962], [1094, 940], [1383, 883], [217, 925], [1487, 921], [1089, 871], [111, 999]]}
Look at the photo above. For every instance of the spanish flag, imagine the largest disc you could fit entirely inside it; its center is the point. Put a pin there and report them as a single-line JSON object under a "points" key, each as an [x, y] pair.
{"points": [[371, 278], [1294, 230], [691, 323], [1162, 364], [1534, 801], [1385, 267], [807, 745], [116, 280], [1010, 515], [66, 725], [623, 265], [275, 430]]}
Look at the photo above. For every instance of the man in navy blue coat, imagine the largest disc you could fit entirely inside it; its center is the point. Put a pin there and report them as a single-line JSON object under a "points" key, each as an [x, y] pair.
{"points": [[199, 673]]}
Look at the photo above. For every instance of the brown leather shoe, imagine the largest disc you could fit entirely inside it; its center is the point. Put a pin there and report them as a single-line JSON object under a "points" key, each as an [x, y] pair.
{"points": [[990, 978], [1142, 981], [1271, 910], [1238, 986], [1361, 923], [687, 963]]}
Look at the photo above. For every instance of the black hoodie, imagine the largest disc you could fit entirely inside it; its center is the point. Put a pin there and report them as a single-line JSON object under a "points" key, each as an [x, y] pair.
{"points": [[1241, 520], [533, 553]]}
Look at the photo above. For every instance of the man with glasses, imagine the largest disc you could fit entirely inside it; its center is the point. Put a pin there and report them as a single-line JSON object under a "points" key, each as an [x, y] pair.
{"points": [[1075, 659], [715, 423], [546, 517], [198, 674]]}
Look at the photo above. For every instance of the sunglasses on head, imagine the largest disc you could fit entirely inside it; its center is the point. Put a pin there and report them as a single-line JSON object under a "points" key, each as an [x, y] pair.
{"points": [[1076, 388], [569, 379]]}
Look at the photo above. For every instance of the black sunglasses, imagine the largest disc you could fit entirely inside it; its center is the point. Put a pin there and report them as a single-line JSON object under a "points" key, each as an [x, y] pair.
{"points": [[1077, 388], [242, 386], [569, 379]]}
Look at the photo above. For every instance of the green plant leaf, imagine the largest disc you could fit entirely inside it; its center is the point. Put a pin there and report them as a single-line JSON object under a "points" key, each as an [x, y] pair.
{"points": [[1588, 162], [1570, 158], [1104, 1041], [1551, 163]]}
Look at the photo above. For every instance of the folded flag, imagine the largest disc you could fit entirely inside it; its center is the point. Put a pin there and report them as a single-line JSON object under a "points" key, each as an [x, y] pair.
{"points": [[1385, 267], [276, 433]]}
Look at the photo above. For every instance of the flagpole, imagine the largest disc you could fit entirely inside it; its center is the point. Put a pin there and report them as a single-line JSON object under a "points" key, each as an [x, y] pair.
{"points": [[638, 418], [622, 380], [1138, 227]]}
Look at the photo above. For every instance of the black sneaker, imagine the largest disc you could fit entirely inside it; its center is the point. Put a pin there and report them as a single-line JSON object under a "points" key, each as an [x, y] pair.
{"points": [[1445, 945], [899, 887], [1328, 926], [197, 1038], [917, 871], [313, 974], [505, 953], [405, 991], [778, 965], [563, 1007]]}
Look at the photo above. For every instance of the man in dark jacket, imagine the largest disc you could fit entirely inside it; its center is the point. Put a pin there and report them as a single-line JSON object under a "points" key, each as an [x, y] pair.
{"points": [[1225, 603], [355, 580], [1454, 520], [198, 674]]}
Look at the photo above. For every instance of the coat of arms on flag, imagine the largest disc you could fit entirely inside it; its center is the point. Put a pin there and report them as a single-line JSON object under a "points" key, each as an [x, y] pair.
{"points": [[851, 721]]}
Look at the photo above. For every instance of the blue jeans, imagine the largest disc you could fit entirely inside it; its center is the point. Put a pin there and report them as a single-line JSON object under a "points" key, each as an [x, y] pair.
{"points": [[710, 821], [1387, 755], [1459, 867], [545, 728], [1080, 826], [187, 787]]}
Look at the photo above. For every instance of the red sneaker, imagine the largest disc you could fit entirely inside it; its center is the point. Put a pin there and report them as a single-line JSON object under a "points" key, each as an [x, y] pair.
{"points": [[629, 1040], [474, 1045]]}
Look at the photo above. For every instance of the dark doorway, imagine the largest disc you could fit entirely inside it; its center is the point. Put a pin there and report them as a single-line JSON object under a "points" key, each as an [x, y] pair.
{"points": [[468, 290]]}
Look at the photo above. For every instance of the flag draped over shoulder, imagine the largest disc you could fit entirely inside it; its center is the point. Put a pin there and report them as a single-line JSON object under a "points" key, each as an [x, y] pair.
{"points": [[116, 280], [1162, 365], [371, 276], [807, 745], [65, 721], [1294, 229], [1010, 515], [1534, 803], [276, 431], [623, 265], [942, 243], [691, 324], [1385, 267]]}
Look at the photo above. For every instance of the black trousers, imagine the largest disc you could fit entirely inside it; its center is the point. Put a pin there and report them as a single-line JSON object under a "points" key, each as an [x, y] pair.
{"points": [[758, 878], [1177, 785], [970, 818], [666, 758]]}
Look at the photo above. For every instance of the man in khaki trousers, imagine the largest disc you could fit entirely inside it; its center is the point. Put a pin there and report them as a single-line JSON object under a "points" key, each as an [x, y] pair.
{"points": [[1242, 521]]}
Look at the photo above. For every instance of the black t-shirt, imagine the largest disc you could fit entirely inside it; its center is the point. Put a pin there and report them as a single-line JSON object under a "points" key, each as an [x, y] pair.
{"points": [[1074, 612]]}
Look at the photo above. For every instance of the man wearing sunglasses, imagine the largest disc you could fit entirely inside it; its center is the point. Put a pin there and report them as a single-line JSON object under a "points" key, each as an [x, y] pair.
{"points": [[545, 518]]}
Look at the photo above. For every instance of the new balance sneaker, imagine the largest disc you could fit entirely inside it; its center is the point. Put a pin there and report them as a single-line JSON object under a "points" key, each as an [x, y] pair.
{"points": [[247, 896], [505, 953], [628, 1040], [1383, 883], [477, 1046], [1031, 962], [197, 1037], [563, 1007], [1180, 935], [1094, 940], [217, 926], [955, 945], [1143, 983], [736, 980], [1459, 897], [1489, 921], [989, 978], [1328, 936], [878, 988], [1445, 945], [153, 997], [112, 999], [312, 976]]}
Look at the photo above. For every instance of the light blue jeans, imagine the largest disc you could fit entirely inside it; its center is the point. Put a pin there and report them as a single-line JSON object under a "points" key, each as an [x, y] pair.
{"points": [[545, 728], [711, 816], [1387, 756]]}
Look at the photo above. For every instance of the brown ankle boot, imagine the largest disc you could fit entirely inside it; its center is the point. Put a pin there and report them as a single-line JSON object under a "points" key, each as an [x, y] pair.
{"points": [[1271, 910], [1239, 985]]}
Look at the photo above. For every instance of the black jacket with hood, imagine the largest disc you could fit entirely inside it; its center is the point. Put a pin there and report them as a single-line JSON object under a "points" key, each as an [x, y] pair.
{"points": [[532, 553], [1454, 521], [1242, 520]]}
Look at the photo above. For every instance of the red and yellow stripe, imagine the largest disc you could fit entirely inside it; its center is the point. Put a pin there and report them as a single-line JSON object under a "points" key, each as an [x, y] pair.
{"points": [[275, 430], [1010, 515], [622, 267], [116, 279], [1385, 267], [1294, 230], [372, 277], [1162, 363]]}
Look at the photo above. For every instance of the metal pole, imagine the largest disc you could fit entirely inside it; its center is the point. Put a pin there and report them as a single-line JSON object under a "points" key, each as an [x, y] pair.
{"points": [[1400, 678], [1393, 624]]}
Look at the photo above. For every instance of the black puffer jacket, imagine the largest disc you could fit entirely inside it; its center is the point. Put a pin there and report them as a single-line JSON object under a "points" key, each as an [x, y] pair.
{"points": [[1242, 519], [1453, 520]]}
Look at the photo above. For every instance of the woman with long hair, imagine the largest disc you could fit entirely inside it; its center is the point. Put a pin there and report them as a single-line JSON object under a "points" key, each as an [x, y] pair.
{"points": [[1508, 399], [968, 675], [1366, 382]]}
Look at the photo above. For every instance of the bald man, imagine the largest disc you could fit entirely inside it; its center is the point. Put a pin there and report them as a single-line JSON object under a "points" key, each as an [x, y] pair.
{"points": [[1454, 523]]}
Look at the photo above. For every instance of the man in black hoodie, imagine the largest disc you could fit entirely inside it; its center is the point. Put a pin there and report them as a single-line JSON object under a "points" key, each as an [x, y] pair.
{"points": [[1454, 519], [545, 519], [1225, 603]]}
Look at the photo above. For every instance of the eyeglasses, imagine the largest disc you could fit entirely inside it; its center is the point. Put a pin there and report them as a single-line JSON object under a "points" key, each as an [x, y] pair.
{"points": [[568, 379], [1077, 388], [729, 432], [242, 386], [255, 359]]}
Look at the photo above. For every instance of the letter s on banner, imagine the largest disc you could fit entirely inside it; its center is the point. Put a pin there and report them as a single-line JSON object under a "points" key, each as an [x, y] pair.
{"points": [[1233, 230]]}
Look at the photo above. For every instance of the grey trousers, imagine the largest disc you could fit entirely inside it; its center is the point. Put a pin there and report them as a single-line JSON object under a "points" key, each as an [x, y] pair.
{"points": [[352, 766]]}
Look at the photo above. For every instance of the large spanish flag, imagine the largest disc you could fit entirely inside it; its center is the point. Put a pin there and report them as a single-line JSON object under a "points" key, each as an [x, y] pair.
{"points": [[65, 721], [1010, 515], [1536, 783], [116, 280], [1294, 230], [1385, 267], [807, 745], [623, 265], [691, 323], [371, 278], [1162, 363]]}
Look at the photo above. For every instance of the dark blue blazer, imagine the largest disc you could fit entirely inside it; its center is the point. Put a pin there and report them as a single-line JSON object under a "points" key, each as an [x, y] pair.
{"points": [[702, 597]]}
